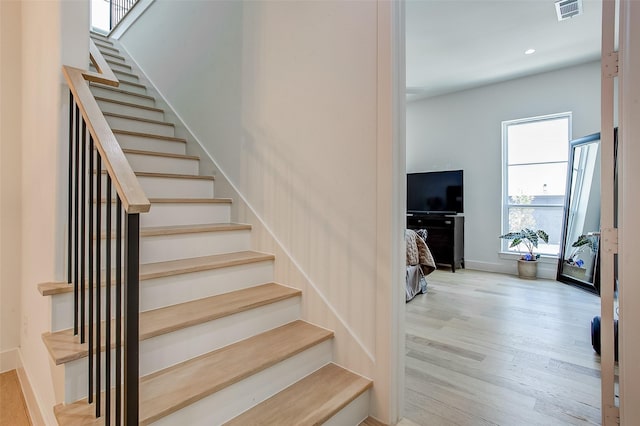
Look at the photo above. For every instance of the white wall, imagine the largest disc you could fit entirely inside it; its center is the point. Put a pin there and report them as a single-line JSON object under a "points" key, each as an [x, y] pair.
{"points": [[10, 195], [36, 38], [463, 131], [284, 97]]}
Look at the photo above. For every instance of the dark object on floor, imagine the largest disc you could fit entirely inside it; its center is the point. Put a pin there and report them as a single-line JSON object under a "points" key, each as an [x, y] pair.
{"points": [[595, 335]]}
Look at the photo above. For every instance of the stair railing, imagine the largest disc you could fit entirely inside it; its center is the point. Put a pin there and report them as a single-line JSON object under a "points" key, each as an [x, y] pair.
{"points": [[118, 9], [94, 156]]}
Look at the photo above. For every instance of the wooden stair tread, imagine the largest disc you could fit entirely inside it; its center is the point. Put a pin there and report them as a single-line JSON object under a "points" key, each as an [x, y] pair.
{"points": [[173, 176], [64, 347], [175, 267], [109, 61], [311, 401], [176, 387], [115, 55], [145, 120], [192, 229], [126, 92], [160, 154], [167, 175], [148, 135], [190, 200], [102, 45], [129, 104], [370, 421]]}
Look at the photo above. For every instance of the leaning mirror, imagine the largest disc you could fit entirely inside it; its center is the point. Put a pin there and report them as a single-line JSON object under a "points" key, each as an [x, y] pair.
{"points": [[578, 263]]}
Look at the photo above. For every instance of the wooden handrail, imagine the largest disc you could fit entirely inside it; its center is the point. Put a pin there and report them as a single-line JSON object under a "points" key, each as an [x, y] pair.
{"points": [[125, 181]]}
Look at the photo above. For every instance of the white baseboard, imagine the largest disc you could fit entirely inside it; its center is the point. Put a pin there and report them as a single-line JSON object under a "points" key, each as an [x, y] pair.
{"points": [[546, 270], [33, 406], [8, 360]]}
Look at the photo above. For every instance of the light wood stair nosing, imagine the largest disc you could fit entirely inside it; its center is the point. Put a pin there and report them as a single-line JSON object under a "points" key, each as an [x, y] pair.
{"points": [[148, 135], [122, 91], [128, 104], [115, 56], [156, 231], [109, 61], [160, 154], [174, 267], [169, 319], [168, 175], [144, 120]]}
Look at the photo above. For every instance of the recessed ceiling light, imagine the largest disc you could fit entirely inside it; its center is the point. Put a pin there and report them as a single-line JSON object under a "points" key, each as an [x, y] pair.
{"points": [[529, 51]]}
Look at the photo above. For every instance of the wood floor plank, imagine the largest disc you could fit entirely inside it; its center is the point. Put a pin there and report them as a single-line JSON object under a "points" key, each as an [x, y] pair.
{"points": [[13, 409], [485, 348]]}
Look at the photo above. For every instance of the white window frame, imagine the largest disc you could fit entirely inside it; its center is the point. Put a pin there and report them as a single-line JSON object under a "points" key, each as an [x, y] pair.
{"points": [[505, 184]]}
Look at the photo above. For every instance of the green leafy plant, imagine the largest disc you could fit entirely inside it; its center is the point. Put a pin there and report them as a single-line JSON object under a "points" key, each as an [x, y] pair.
{"points": [[529, 238]]}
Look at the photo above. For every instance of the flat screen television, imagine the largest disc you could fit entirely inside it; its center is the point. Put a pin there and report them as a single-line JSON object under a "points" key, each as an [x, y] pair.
{"points": [[435, 192]]}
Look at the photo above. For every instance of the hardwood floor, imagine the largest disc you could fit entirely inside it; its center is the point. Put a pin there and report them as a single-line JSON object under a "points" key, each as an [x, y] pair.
{"points": [[13, 410], [492, 349]]}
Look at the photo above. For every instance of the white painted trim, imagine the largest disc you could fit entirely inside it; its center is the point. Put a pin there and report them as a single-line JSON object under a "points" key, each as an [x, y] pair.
{"points": [[34, 405], [399, 213], [8, 360], [629, 226]]}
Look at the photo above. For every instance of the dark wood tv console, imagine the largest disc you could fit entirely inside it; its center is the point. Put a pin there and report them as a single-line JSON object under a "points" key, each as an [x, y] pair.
{"points": [[445, 237]]}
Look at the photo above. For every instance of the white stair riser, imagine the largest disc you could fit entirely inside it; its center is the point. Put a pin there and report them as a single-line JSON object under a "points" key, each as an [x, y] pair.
{"points": [[127, 77], [140, 126], [166, 291], [124, 97], [166, 187], [353, 414], [119, 67], [172, 348], [172, 247], [181, 288], [161, 187], [168, 214], [159, 164], [239, 397], [114, 57], [120, 76], [150, 144], [129, 110], [130, 87], [162, 248], [102, 45]]}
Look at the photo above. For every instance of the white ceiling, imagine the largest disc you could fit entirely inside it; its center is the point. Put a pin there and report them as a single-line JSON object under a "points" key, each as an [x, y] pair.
{"points": [[454, 45]]}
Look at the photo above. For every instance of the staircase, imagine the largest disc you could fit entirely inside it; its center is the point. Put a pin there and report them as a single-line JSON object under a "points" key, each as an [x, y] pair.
{"points": [[220, 343]]}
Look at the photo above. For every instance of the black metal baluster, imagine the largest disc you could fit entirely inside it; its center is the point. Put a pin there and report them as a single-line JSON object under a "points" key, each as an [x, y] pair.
{"points": [[70, 210], [98, 259], [118, 337], [76, 225], [131, 309], [107, 315], [82, 230], [92, 242]]}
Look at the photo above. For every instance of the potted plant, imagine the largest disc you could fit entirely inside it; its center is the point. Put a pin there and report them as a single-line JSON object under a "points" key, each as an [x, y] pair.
{"points": [[528, 262], [574, 264]]}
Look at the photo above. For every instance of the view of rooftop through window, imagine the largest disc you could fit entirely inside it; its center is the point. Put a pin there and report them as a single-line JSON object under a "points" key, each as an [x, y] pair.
{"points": [[535, 178]]}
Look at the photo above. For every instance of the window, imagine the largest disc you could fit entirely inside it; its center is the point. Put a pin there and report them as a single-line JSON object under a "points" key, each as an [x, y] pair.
{"points": [[535, 153]]}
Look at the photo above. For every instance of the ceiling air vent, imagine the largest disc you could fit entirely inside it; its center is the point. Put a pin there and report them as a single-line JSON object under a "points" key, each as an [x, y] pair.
{"points": [[566, 9]]}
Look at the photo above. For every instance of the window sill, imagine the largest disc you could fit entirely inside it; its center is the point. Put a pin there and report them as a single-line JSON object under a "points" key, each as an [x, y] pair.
{"points": [[544, 258]]}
